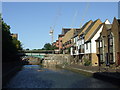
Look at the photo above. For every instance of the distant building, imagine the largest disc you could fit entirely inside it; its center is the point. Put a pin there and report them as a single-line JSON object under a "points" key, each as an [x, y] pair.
{"points": [[67, 39], [60, 37]]}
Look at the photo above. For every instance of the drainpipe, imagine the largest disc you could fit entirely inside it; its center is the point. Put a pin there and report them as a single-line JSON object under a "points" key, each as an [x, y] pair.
{"points": [[114, 51], [103, 52], [108, 61], [99, 55]]}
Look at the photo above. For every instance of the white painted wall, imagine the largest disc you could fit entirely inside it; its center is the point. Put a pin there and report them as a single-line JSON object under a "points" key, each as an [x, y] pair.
{"points": [[107, 21], [93, 42], [91, 45], [71, 51], [87, 51]]}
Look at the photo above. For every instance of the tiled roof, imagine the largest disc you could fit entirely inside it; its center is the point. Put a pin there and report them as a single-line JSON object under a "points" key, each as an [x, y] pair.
{"points": [[76, 32], [90, 27], [92, 35], [84, 26], [65, 30]]}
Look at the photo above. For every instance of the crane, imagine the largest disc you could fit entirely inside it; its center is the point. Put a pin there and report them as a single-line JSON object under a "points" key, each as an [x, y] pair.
{"points": [[51, 33]]}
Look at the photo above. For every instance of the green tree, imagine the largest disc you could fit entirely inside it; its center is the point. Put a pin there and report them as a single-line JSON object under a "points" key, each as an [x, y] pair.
{"points": [[17, 43], [10, 46], [48, 46]]}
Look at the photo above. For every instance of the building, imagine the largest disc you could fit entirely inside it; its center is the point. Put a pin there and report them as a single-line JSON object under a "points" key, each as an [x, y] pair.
{"points": [[108, 44], [90, 43], [77, 40], [67, 40], [60, 37], [84, 42]]}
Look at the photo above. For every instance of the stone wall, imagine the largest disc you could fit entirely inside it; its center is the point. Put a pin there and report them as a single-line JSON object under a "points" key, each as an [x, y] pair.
{"points": [[56, 59], [34, 60]]}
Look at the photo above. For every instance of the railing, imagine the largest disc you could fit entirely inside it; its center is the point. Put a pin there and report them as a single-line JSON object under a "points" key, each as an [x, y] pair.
{"points": [[37, 51]]}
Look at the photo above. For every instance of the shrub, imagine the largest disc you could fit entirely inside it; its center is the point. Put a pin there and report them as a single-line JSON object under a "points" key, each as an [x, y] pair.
{"points": [[87, 62]]}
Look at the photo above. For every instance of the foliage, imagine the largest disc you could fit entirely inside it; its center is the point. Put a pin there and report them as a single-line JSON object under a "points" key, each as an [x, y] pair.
{"points": [[48, 46], [27, 49], [65, 63], [10, 46], [17, 43], [87, 62]]}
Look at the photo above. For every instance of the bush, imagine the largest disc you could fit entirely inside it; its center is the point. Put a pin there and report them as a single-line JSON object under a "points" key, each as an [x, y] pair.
{"points": [[65, 63], [87, 62]]}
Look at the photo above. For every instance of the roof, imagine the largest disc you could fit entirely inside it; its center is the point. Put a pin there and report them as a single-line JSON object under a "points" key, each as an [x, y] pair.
{"points": [[68, 35], [92, 24], [92, 28], [65, 30], [83, 27], [60, 35], [76, 32], [92, 35]]}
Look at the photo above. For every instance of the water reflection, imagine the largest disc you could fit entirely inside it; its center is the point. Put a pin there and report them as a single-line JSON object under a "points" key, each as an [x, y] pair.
{"points": [[35, 76]]}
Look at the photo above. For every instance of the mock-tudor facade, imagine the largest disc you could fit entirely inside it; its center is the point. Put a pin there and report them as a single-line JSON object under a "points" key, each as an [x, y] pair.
{"points": [[96, 41], [67, 40], [90, 44]]}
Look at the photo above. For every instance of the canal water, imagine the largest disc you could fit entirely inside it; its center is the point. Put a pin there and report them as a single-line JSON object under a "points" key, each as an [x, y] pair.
{"points": [[34, 76]]}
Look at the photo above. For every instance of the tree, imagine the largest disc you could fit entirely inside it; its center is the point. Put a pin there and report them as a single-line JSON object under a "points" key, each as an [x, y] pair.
{"points": [[10, 46], [17, 43], [27, 49], [48, 46]]}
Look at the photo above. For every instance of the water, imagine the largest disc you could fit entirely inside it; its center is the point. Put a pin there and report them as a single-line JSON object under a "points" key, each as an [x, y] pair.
{"points": [[34, 76]]}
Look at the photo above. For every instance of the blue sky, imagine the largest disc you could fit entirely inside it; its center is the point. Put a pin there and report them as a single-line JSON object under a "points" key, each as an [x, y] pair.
{"points": [[32, 20]]}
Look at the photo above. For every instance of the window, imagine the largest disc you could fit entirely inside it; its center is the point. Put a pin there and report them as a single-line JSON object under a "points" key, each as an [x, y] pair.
{"points": [[111, 41], [101, 44], [87, 46], [101, 57], [111, 57], [110, 46]]}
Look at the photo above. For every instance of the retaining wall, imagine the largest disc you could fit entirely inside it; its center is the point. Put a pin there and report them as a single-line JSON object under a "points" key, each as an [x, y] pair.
{"points": [[56, 59]]}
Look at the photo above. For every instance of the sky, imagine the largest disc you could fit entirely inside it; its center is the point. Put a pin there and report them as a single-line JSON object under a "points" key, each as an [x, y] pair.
{"points": [[32, 20]]}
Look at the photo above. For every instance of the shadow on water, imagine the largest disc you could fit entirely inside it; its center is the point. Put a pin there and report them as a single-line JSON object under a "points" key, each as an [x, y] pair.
{"points": [[37, 76], [9, 70], [112, 77]]}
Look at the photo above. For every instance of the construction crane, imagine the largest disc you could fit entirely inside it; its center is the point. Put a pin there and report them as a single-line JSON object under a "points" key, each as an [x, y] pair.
{"points": [[51, 33], [84, 14]]}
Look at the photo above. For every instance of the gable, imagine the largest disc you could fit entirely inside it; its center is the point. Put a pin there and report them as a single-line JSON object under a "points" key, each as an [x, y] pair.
{"points": [[85, 27], [92, 28]]}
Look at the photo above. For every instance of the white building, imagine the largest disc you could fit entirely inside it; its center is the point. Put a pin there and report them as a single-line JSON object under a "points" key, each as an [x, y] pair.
{"points": [[84, 45]]}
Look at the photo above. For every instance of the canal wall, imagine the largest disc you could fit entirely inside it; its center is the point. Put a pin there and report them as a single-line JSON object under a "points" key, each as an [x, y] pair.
{"points": [[34, 61], [30, 60], [111, 77], [9, 70], [56, 59]]}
